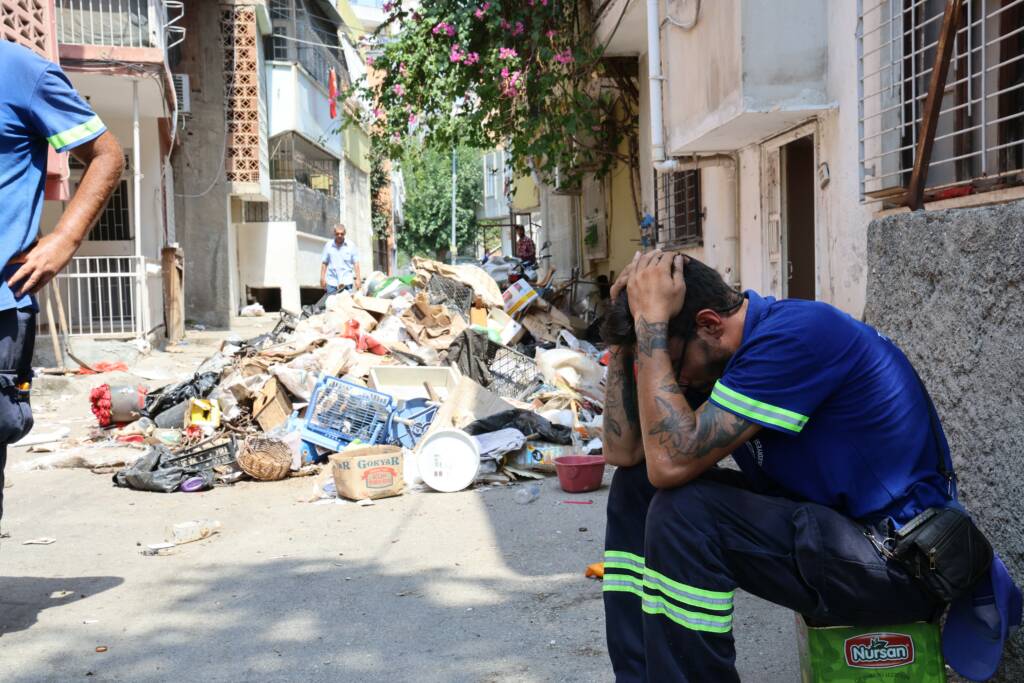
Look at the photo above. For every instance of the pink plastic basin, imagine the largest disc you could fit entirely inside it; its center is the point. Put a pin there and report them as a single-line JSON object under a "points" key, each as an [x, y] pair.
{"points": [[580, 473]]}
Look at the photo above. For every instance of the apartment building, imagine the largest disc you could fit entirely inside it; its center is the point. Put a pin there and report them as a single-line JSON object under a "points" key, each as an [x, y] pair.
{"points": [[266, 171], [771, 134], [118, 55]]}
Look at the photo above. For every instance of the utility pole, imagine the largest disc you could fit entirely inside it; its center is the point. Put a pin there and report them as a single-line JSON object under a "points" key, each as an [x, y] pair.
{"points": [[455, 176]]}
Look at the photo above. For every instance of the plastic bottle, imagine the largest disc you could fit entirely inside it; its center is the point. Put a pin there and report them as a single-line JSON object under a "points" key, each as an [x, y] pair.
{"points": [[527, 493], [194, 530]]}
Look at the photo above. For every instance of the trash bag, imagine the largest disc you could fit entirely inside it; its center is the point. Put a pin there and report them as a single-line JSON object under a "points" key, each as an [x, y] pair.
{"points": [[200, 386], [469, 354], [149, 474], [526, 421]]}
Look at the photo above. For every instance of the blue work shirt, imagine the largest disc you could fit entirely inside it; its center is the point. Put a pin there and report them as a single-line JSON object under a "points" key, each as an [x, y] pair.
{"points": [[38, 106], [341, 263], [846, 421]]}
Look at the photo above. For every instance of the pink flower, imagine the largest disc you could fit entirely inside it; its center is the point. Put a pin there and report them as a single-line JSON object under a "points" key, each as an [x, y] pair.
{"points": [[398, 89], [445, 28], [481, 10], [412, 119], [505, 25], [471, 59], [378, 113], [507, 53], [387, 7], [565, 57], [395, 137], [518, 29], [550, 33], [509, 82], [370, 59], [455, 54], [402, 70], [544, 2]]}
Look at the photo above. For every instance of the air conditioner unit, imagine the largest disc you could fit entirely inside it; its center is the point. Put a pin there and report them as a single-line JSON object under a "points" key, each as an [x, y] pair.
{"points": [[182, 93]]}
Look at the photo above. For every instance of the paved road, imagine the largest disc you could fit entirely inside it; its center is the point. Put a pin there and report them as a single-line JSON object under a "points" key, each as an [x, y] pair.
{"points": [[426, 587]]}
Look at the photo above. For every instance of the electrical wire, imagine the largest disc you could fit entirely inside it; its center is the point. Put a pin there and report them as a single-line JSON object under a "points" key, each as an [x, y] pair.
{"points": [[672, 21]]}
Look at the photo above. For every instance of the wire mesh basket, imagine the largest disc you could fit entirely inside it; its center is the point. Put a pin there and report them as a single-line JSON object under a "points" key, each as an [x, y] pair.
{"points": [[451, 293], [341, 412], [513, 375], [198, 459]]}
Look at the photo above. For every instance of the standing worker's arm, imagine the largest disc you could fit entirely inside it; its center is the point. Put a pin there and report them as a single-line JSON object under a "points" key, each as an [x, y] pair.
{"points": [[359, 277], [323, 274], [622, 444], [104, 162]]}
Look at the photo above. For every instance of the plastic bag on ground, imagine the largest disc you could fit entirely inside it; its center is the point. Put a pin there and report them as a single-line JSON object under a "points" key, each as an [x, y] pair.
{"points": [[572, 369], [252, 311], [526, 421], [163, 398], [149, 474]]}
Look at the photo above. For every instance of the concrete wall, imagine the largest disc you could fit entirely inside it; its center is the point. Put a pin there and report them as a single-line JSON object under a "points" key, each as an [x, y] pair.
{"points": [[356, 213], [947, 287], [199, 170], [267, 257]]}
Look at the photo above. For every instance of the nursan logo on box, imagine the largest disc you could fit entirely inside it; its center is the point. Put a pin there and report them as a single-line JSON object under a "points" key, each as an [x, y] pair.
{"points": [[879, 650]]}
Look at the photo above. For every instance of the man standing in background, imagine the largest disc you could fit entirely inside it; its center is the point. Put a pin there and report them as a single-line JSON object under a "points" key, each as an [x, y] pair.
{"points": [[39, 106], [339, 269]]}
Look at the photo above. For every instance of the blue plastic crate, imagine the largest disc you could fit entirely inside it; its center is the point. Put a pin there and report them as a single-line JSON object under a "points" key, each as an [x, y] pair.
{"points": [[341, 412]]}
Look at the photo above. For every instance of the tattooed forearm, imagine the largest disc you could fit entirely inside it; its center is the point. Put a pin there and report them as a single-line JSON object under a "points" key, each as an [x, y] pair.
{"points": [[677, 434], [621, 413], [669, 384], [650, 336]]}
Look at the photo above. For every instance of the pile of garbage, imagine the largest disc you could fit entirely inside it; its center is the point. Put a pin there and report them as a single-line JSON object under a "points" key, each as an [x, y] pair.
{"points": [[438, 378]]}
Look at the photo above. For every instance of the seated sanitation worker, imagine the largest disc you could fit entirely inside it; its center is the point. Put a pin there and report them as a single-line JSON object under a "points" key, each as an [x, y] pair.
{"points": [[844, 479]]}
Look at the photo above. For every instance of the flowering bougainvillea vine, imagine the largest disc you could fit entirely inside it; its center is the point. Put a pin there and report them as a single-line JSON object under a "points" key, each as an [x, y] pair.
{"points": [[524, 74]]}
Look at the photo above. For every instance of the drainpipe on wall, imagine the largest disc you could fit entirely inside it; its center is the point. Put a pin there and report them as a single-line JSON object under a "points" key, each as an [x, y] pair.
{"points": [[656, 79], [142, 302], [731, 240]]}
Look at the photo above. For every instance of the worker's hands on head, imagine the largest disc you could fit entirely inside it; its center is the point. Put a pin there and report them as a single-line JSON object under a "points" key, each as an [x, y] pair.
{"points": [[656, 288], [41, 262], [623, 279]]}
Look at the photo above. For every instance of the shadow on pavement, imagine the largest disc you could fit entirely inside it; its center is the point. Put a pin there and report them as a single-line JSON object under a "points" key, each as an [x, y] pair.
{"points": [[22, 598]]}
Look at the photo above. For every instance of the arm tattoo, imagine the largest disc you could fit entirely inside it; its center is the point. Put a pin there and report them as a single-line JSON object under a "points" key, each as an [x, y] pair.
{"points": [[715, 428], [650, 336], [620, 394]]}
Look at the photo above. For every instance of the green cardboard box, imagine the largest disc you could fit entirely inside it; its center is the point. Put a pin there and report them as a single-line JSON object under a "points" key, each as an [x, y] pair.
{"points": [[910, 653]]}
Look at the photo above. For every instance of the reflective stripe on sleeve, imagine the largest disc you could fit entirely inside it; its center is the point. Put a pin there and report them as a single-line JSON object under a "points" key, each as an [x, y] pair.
{"points": [[758, 411], [73, 135]]}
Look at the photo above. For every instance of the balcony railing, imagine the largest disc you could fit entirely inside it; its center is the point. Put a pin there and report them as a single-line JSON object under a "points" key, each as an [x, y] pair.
{"points": [[101, 296], [120, 23], [313, 211]]}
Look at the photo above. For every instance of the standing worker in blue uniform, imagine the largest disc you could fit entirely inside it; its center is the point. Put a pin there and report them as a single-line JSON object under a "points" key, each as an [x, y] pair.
{"points": [[339, 270], [841, 460], [39, 107]]}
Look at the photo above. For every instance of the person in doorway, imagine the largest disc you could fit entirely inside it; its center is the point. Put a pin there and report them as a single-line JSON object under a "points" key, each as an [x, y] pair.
{"points": [[526, 250], [339, 269], [838, 445], [39, 107]]}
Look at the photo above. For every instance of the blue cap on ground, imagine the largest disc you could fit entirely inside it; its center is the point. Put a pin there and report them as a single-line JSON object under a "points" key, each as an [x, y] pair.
{"points": [[978, 624]]}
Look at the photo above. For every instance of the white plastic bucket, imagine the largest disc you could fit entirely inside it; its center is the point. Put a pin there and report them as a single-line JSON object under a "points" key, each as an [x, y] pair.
{"points": [[448, 460]]}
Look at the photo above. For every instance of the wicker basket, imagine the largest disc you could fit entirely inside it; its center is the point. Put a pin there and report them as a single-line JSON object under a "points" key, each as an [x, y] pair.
{"points": [[265, 459]]}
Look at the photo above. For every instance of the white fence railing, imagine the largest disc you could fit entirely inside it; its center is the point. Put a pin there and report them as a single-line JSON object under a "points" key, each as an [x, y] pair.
{"points": [[120, 23], [101, 295]]}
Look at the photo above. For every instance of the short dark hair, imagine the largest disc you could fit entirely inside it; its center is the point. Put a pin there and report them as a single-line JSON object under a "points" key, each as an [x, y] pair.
{"points": [[705, 288]]}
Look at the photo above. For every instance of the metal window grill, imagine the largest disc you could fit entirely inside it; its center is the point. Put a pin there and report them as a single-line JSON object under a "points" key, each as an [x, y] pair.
{"points": [[100, 295], [114, 222], [979, 140], [678, 219]]}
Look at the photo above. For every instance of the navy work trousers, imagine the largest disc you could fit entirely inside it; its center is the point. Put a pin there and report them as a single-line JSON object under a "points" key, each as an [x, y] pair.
{"points": [[674, 559], [17, 340]]}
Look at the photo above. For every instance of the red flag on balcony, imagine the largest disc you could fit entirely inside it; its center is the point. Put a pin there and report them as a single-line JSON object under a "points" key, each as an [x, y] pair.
{"points": [[332, 92]]}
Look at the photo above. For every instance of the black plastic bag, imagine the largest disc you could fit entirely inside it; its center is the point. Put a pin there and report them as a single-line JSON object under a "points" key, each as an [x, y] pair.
{"points": [[526, 421], [468, 352], [163, 398], [149, 474]]}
